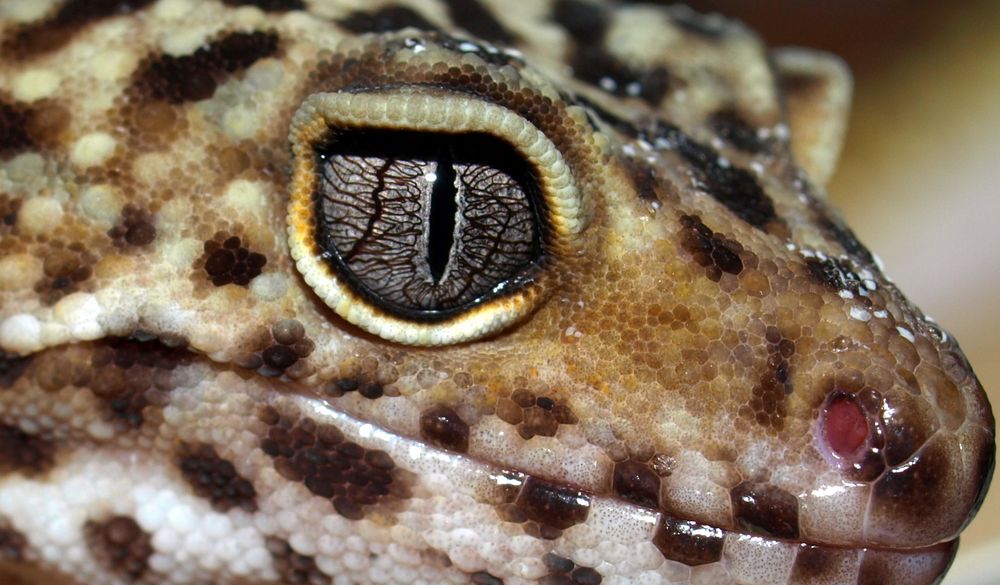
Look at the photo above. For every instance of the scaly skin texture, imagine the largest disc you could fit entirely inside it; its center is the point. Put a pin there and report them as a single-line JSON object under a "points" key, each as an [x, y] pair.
{"points": [[712, 382]]}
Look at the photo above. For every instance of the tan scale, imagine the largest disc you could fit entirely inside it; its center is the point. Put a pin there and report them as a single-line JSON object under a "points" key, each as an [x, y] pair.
{"points": [[702, 378]]}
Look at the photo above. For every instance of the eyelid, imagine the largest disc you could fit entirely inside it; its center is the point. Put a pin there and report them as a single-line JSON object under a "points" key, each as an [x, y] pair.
{"points": [[432, 111]]}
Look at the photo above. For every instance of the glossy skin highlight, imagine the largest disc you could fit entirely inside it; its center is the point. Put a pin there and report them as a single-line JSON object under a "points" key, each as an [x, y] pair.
{"points": [[181, 401]]}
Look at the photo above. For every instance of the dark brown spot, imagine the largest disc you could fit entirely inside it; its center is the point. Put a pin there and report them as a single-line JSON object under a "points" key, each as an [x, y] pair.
{"points": [[829, 221], [733, 187], [478, 20], [371, 390], [65, 270], [279, 357], [551, 505], [715, 253], [11, 368], [215, 479], [643, 178], [366, 389], [768, 402], [835, 275], [228, 261], [441, 426], [351, 477], [293, 567], [131, 375], [269, 5], [136, 228], [687, 542], [9, 208], [765, 509], [387, 19], [732, 128], [901, 494], [194, 77], [13, 544], [23, 452], [54, 32], [815, 564], [563, 571], [636, 482], [120, 545], [587, 24], [534, 415], [14, 135]]}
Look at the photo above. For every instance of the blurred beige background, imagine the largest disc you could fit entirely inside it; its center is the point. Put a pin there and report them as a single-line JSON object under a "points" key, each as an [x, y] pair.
{"points": [[919, 179]]}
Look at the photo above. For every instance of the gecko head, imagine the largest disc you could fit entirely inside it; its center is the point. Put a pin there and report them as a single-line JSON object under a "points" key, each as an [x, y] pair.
{"points": [[420, 290], [732, 354]]}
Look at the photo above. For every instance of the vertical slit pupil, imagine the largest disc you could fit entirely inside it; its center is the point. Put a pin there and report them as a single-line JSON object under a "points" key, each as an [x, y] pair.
{"points": [[444, 207]]}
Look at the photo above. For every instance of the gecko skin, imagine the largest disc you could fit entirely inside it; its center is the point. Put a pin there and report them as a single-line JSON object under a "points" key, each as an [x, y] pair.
{"points": [[452, 291]]}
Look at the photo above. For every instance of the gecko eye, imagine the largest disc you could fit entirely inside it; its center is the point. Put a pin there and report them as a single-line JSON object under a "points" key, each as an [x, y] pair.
{"points": [[426, 218]]}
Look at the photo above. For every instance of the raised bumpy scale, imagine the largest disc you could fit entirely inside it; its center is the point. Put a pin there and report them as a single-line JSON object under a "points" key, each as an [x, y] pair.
{"points": [[451, 291]]}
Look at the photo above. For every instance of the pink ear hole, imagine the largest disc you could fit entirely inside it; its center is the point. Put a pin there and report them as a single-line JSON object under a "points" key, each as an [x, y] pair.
{"points": [[845, 426]]}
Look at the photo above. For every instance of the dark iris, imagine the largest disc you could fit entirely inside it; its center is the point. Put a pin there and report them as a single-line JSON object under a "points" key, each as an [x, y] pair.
{"points": [[427, 225]]}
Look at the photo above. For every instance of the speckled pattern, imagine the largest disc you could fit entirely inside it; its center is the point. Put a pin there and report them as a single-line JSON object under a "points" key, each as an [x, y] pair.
{"points": [[703, 378]]}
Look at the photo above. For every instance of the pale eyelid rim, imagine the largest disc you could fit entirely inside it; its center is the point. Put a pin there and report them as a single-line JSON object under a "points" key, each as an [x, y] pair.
{"points": [[427, 111]]}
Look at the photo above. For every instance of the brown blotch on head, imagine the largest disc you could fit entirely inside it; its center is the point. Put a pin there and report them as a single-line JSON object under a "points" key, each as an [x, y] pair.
{"points": [[834, 227], [761, 508], [120, 545], [13, 544], [228, 261], [269, 5], [23, 127], [768, 403], [734, 129], [587, 25], [293, 567], [65, 270], [14, 136], [440, 425], [688, 542], [351, 477], [130, 375], [636, 482], [23, 452], [135, 229], [475, 18], [548, 507], [386, 19], [643, 178], [835, 275], [57, 30], [716, 254], [194, 77], [734, 188], [215, 478], [11, 368]]}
